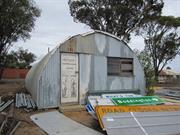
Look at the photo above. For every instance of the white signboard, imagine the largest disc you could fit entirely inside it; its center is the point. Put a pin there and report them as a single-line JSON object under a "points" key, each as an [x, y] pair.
{"points": [[93, 100], [104, 101], [69, 77], [120, 95]]}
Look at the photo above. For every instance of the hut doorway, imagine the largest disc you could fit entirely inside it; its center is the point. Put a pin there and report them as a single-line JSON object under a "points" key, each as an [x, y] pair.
{"points": [[69, 78]]}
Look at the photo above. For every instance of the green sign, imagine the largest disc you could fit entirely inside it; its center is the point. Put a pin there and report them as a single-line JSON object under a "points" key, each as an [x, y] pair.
{"points": [[146, 100]]}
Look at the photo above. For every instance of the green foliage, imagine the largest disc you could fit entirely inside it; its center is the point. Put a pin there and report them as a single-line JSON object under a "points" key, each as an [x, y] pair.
{"points": [[170, 21], [146, 62], [119, 17], [19, 59], [162, 40], [17, 18]]}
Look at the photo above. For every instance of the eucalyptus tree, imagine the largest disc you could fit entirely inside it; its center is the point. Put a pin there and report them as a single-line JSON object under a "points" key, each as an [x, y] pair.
{"points": [[17, 19], [119, 17], [162, 40]]}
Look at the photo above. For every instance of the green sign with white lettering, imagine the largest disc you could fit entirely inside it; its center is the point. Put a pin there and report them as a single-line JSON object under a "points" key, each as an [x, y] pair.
{"points": [[145, 100]]}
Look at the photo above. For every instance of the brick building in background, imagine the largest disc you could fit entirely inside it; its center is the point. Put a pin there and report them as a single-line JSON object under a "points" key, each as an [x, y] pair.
{"points": [[12, 73]]}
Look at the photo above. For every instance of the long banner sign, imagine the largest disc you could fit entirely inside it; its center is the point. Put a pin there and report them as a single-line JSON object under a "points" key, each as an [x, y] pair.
{"points": [[145, 100]]}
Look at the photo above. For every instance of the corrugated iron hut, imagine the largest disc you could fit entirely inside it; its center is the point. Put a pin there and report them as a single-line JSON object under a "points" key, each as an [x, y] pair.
{"points": [[85, 64]]}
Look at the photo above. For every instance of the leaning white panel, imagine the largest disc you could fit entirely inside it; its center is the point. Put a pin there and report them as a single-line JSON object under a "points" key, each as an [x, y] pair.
{"points": [[55, 123]]}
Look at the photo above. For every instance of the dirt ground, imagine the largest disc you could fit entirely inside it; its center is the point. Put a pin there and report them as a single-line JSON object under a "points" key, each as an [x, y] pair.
{"points": [[8, 89], [85, 118], [27, 127]]}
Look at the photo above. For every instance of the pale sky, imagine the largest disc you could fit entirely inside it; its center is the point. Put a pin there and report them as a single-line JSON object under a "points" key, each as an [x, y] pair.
{"points": [[56, 24]]}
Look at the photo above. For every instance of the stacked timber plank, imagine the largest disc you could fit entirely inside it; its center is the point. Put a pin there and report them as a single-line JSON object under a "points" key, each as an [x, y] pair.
{"points": [[24, 100]]}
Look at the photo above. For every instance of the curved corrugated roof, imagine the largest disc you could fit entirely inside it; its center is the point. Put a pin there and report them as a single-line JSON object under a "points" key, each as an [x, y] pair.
{"points": [[105, 33]]}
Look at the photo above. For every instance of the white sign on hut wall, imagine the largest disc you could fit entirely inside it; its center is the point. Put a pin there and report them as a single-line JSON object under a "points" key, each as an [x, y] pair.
{"points": [[69, 77]]}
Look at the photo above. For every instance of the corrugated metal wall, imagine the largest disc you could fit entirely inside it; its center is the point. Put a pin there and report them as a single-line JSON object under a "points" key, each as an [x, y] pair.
{"points": [[49, 83], [93, 65], [43, 80]]}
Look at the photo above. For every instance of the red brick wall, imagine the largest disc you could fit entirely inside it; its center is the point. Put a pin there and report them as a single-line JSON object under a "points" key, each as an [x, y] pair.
{"points": [[10, 73]]}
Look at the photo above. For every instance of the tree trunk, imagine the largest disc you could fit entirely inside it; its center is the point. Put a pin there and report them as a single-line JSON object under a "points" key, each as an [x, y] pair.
{"points": [[2, 64], [1, 72], [156, 74]]}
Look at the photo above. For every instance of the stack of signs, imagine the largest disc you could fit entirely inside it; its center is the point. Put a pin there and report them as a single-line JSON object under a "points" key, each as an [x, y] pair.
{"points": [[112, 100], [123, 100], [104, 99]]}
